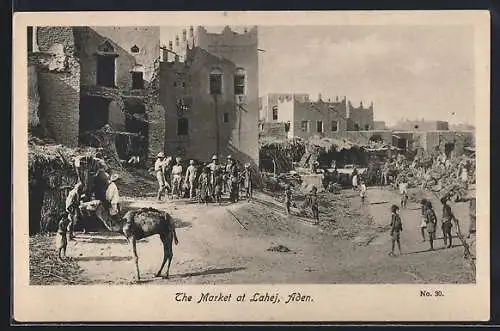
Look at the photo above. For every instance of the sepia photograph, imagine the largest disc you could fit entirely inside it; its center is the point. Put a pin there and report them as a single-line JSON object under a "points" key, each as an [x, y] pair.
{"points": [[232, 153]]}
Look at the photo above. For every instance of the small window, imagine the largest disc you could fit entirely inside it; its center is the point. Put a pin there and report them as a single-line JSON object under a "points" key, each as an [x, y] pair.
{"points": [[367, 127], [183, 84], [175, 84], [134, 49], [137, 80], [182, 126], [275, 113], [319, 126], [356, 127], [239, 82], [215, 82], [304, 126], [225, 117], [335, 126]]}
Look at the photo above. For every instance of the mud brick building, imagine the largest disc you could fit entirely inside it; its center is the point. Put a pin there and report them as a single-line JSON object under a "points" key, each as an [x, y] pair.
{"points": [[81, 78], [209, 86]]}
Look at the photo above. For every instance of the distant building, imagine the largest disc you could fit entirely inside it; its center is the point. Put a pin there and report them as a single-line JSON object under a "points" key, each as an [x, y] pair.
{"points": [[421, 125], [379, 125], [209, 86], [269, 105], [450, 143], [359, 118]]}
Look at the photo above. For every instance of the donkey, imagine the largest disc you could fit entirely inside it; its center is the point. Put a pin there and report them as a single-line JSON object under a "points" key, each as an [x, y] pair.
{"points": [[136, 225]]}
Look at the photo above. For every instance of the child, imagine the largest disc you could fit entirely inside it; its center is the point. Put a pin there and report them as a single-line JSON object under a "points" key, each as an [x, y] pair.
{"points": [[396, 228], [312, 201], [288, 198], [446, 224], [362, 191], [61, 239], [430, 220], [423, 224], [204, 182], [403, 190]]}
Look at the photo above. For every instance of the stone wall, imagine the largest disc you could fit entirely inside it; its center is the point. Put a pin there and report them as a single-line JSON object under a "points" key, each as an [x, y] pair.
{"points": [[58, 76], [33, 97]]}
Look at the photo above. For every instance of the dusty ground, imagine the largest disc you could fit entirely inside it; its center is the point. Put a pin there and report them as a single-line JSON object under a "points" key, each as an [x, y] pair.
{"points": [[349, 246]]}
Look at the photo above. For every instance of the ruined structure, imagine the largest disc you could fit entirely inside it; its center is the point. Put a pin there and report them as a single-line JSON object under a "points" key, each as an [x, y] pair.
{"points": [[81, 78], [209, 85]]}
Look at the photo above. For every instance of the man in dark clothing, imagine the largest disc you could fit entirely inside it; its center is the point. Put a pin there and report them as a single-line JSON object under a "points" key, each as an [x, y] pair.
{"points": [[312, 202], [430, 220], [447, 224], [101, 181], [396, 229]]}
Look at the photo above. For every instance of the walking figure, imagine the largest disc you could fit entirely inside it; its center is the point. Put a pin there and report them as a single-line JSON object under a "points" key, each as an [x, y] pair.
{"points": [[447, 224], [204, 185], [177, 177], [396, 229], [159, 169], [312, 202], [362, 191], [191, 178], [288, 198], [403, 190], [247, 181]]}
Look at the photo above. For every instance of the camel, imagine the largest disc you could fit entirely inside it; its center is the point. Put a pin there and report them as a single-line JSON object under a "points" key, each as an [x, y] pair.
{"points": [[136, 225]]}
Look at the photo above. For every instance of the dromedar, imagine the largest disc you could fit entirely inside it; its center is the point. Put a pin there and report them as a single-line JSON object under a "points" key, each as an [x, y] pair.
{"points": [[136, 225]]}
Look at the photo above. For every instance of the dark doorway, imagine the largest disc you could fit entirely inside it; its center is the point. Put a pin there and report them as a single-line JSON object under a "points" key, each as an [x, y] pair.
{"points": [[94, 113], [356, 127], [137, 80], [448, 149], [106, 70]]}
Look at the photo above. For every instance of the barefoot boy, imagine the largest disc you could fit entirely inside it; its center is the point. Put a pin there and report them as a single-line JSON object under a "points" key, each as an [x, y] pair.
{"points": [[396, 228], [61, 239]]}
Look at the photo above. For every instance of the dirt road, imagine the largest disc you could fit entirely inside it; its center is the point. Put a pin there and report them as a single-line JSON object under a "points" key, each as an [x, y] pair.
{"points": [[215, 249]]}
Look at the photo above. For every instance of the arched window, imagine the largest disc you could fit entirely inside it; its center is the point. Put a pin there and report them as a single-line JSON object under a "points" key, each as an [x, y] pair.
{"points": [[215, 81], [240, 81], [106, 57]]}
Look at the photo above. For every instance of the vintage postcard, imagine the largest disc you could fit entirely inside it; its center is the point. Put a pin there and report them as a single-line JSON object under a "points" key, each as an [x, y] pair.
{"points": [[251, 166]]}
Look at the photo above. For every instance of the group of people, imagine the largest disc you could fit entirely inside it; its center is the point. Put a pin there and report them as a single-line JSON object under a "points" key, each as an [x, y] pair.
{"points": [[203, 182], [104, 189], [429, 224]]}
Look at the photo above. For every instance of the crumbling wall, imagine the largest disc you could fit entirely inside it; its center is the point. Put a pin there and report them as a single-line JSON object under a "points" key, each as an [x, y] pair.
{"points": [[58, 83], [33, 97]]}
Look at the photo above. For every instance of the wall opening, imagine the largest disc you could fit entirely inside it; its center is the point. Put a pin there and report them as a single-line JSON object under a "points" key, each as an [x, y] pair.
{"points": [[106, 70], [287, 126], [136, 123], [449, 147], [239, 82], [356, 127], [275, 113], [304, 126], [367, 127], [94, 113], [335, 126], [215, 82], [319, 126], [182, 126], [225, 117], [137, 80]]}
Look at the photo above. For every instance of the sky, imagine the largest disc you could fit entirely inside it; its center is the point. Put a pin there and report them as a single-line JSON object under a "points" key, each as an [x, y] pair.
{"points": [[408, 72]]}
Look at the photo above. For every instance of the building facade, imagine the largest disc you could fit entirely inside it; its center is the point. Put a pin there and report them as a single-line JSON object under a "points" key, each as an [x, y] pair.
{"points": [[421, 125], [269, 104], [82, 78], [209, 86], [359, 118]]}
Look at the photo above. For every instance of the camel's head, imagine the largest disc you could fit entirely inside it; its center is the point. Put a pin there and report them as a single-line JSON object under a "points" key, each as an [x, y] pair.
{"points": [[96, 208]]}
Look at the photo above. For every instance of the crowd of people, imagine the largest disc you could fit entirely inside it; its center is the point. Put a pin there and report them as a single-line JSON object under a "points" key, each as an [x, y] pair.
{"points": [[202, 182]]}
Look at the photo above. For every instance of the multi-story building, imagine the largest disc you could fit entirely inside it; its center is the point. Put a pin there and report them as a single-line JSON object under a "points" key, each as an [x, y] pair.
{"points": [[269, 104], [209, 86], [359, 118], [82, 78]]}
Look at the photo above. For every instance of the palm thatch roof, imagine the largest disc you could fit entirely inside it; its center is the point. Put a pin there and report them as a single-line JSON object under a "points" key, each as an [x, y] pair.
{"points": [[330, 144]]}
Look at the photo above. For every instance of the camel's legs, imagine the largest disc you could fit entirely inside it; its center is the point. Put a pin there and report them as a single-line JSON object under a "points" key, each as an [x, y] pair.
{"points": [[164, 241], [133, 241], [169, 251]]}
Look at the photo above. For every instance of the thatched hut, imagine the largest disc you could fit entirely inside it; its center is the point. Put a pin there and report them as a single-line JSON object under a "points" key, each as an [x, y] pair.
{"points": [[51, 174], [278, 155], [327, 150]]}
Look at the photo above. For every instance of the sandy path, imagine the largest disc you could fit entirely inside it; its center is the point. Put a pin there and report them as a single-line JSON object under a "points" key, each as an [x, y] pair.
{"points": [[215, 249]]}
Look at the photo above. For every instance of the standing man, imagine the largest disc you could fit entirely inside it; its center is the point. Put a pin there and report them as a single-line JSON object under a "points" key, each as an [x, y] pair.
{"points": [[216, 178], [403, 190], [101, 181], [190, 178], [227, 176], [431, 220], [160, 165], [233, 180], [247, 181], [113, 197], [446, 219], [177, 177], [72, 208]]}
